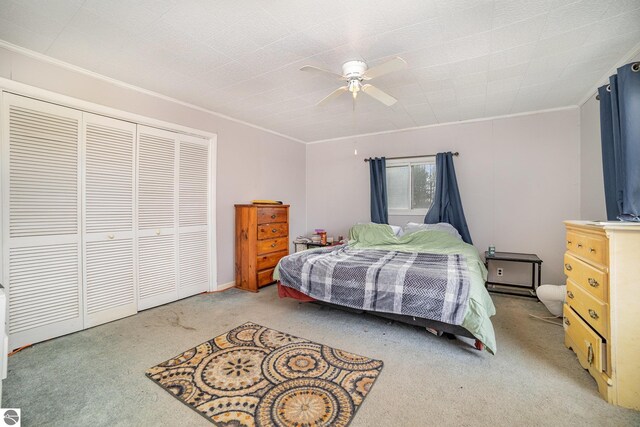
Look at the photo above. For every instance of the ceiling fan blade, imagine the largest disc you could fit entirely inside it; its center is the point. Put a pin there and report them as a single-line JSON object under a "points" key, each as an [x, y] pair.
{"points": [[381, 96], [320, 71], [336, 93], [395, 64]]}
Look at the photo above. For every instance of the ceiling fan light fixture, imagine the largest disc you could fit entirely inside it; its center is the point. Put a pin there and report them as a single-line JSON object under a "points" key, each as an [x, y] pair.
{"points": [[355, 86], [354, 69], [354, 73]]}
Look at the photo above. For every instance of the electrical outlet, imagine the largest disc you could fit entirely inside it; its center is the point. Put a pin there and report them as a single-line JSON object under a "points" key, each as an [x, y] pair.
{"points": [[500, 272]]}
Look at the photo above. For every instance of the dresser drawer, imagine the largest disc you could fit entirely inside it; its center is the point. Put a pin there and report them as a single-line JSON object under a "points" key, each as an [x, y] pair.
{"points": [[590, 246], [588, 277], [270, 260], [271, 245], [267, 215], [591, 309], [587, 344], [269, 231], [265, 277], [596, 249], [572, 242]]}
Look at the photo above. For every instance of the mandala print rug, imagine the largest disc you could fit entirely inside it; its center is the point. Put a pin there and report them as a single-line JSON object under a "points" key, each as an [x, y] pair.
{"points": [[256, 376]]}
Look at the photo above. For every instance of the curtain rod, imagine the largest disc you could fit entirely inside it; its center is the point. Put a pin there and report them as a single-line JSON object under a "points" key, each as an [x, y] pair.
{"points": [[413, 157], [634, 67]]}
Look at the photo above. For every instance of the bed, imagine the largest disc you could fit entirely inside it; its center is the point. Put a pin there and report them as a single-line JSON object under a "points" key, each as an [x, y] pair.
{"points": [[428, 278]]}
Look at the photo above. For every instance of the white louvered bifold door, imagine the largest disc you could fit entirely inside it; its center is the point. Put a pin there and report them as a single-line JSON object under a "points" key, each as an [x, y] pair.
{"points": [[193, 216], [109, 253], [41, 219], [157, 215]]}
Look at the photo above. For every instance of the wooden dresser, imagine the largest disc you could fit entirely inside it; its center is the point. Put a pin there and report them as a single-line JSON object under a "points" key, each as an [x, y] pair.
{"points": [[602, 310], [262, 238]]}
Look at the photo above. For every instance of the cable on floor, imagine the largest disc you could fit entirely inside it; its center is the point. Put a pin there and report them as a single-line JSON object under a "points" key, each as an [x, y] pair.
{"points": [[544, 319]]}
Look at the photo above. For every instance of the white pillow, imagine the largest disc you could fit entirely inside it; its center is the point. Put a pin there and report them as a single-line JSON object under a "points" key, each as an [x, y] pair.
{"points": [[397, 230], [441, 226]]}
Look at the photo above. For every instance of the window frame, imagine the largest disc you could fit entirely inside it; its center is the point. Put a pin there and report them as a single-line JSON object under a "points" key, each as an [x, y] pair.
{"points": [[409, 162]]}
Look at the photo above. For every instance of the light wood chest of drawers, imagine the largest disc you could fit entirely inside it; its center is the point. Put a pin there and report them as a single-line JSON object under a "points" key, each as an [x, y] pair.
{"points": [[262, 238], [602, 309]]}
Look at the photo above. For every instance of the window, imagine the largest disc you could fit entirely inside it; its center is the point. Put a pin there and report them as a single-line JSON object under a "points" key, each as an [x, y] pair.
{"points": [[411, 184]]}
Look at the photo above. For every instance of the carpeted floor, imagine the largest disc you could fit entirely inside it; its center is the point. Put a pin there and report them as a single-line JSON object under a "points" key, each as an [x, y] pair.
{"points": [[97, 377]]}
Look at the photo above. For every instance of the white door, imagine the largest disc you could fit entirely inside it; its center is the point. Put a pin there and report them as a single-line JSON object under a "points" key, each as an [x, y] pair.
{"points": [[109, 253], [193, 216], [157, 215], [41, 219]]}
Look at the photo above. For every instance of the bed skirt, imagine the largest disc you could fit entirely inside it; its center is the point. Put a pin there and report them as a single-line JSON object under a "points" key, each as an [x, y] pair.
{"points": [[287, 292]]}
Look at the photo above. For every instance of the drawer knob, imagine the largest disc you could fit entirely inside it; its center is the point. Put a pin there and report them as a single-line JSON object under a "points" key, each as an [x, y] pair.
{"points": [[568, 242], [273, 245], [111, 236], [273, 216], [566, 322], [590, 354], [593, 314], [579, 245], [157, 232], [570, 294], [591, 250], [593, 282], [274, 230], [568, 267]]}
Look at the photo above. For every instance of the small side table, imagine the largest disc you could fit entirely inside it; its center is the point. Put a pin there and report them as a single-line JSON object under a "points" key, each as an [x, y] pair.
{"points": [[530, 291]]}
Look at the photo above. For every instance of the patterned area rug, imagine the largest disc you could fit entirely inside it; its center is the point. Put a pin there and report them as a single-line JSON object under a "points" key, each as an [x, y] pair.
{"points": [[256, 376]]}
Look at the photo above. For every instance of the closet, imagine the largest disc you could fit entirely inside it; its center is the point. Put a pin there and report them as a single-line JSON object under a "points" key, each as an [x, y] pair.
{"points": [[172, 216], [108, 178], [101, 218], [41, 204]]}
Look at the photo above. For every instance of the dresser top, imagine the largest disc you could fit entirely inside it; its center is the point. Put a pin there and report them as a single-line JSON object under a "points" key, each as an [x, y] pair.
{"points": [[606, 225], [251, 205]]}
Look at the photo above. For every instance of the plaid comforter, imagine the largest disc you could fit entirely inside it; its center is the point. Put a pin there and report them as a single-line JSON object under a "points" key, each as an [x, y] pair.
{"points": [[430, 286]]}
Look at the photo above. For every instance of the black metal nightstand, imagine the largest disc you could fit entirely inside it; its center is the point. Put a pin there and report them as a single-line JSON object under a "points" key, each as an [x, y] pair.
{"points": [[524, 291]]}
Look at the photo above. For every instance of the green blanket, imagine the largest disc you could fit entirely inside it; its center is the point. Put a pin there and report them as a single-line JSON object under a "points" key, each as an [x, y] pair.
{"points": [[481, 308]]}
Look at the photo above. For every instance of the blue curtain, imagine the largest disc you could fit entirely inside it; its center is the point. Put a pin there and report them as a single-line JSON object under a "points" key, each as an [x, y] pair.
{"points": [[447, 206], [611, 181], [620, 137], [379, 206]]}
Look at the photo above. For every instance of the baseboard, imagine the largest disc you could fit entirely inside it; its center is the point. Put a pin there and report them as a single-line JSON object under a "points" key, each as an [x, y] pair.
{"points": [[225, 286]]}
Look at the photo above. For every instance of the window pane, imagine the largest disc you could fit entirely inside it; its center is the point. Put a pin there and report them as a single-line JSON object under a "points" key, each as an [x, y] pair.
{"points": [[423, 185], [398, 187]]}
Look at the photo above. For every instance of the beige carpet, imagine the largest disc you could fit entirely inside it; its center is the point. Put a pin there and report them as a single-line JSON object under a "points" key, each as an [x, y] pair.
{"points": [[94, 377]]}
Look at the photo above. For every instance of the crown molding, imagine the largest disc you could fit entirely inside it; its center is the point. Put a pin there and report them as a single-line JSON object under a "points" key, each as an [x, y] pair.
{"points": [[74, 68], [605, 78], [65, 65], [482, 119]]}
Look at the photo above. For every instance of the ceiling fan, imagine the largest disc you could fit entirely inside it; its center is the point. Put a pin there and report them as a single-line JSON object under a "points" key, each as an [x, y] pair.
{"points": [[356, 74]]}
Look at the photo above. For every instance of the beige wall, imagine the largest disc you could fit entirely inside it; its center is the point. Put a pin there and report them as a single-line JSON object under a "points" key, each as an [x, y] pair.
{"points": [[251, 163], [592, 206], [519, 179]]}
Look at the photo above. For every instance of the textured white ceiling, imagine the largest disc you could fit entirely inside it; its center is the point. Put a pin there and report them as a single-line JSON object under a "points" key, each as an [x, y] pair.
{"points": [[467, 58]]}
